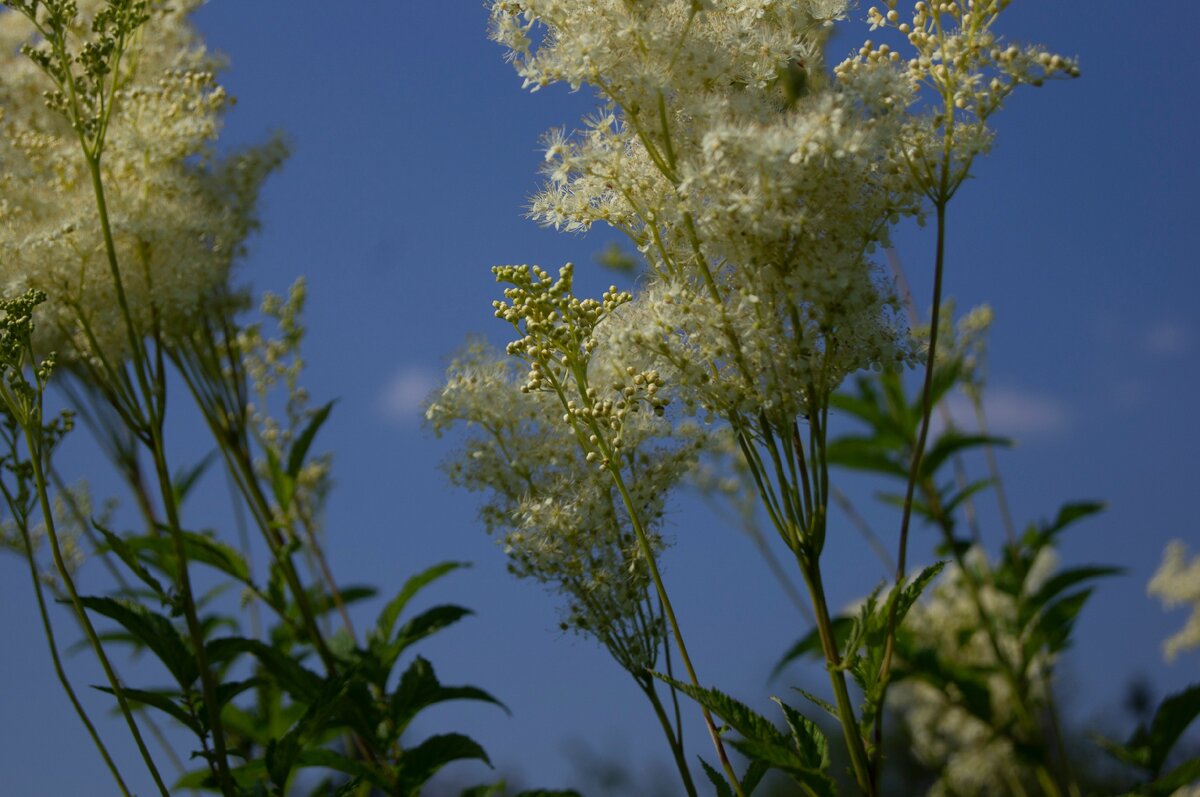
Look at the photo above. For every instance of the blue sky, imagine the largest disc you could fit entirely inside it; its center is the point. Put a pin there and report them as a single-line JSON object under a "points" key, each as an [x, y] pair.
{"points": [[414, 151]]}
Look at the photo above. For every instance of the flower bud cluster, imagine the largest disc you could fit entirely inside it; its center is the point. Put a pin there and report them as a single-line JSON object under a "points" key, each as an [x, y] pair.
{"points": [[559, 337], [952, 48]]}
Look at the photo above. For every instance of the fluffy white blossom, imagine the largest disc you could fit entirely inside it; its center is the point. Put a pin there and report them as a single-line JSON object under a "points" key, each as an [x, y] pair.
{"points": [[754, 189], [179, 215], [1177, 583], [558, 516]]}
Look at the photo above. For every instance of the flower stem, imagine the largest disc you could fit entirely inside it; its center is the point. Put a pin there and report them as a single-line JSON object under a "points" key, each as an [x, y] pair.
{"points": [[913, 471], [58, 668], [39, 475]]}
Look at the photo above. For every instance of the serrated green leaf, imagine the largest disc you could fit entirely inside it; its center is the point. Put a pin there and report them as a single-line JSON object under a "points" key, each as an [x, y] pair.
{"points": [[824, 705], [391, 612], [717, 779], [737, 715], [787, 761], [807, 737], [912, 591], [753, 776], [420, 763], [152, 630]]}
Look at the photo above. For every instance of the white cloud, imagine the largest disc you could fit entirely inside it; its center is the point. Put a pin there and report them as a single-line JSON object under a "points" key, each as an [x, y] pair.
{"points": [[1168, 339], [403, 397], [1010, 411]]}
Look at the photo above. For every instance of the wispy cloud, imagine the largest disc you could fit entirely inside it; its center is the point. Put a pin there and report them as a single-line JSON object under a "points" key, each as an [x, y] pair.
{"points": [[1167, 339], [403, 397], [1012, 411]]}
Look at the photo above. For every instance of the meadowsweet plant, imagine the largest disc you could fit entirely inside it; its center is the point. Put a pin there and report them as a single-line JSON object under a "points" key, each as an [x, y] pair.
{"points": [[119, 230], [759, 181]]}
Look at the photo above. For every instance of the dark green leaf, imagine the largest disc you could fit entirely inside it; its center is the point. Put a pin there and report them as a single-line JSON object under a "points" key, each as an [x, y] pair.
{"points": [[1185, 774], [1069, 514], [1174, 715], [152, 630], [420, 763], [198, 547], [424, 624], [866, 454], [950, 443], [116, 544], [161, 701], [419, 688], [391, 612], [329, 759], [185, 480], [295, 679], [304, 440], [1052, 628], [485, 790], [1058, 584], [810, 643]]}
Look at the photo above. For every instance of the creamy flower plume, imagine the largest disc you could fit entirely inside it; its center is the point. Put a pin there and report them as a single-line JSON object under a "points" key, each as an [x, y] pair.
{"points": [[557, 514], [1177, 583], [179, 215]]}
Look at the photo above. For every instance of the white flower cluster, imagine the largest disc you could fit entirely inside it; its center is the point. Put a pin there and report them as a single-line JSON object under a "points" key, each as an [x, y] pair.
{"points": [[179, 216], [756, 187], [755, 190], [1177, 583], [973, 759], [560, 518]]}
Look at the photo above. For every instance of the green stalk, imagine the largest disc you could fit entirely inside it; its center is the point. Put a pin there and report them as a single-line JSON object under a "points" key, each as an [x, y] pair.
{"points": [[35, 456], [915, 465], [154, 396], [837, 678], [58, 668], [652, 566], [676, 744]]}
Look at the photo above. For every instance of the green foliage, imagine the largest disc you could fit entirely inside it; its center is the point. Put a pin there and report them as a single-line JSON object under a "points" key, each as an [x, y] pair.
{"points": [[1149, 747], [802, 754]]}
